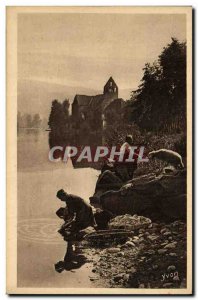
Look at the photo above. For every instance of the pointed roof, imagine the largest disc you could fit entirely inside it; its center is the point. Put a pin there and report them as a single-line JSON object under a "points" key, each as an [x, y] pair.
{"points": [[111, 80]]}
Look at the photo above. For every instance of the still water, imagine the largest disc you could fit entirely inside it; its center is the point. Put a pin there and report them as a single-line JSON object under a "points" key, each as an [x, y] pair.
{"points": [[39, 245]]}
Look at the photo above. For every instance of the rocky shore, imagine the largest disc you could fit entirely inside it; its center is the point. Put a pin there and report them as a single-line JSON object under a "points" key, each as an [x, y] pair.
{"points": [[153, 257], [141, 237]]}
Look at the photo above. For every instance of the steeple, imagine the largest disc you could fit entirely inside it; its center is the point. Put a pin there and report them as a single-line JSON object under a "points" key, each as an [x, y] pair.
{"points": [[111, 87]]}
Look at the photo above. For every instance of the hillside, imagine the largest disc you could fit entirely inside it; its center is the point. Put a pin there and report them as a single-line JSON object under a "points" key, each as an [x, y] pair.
{"points": [[36, 96]]}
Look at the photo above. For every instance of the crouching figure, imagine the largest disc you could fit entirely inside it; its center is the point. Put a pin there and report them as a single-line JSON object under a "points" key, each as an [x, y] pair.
{"points": [[80, 214]]}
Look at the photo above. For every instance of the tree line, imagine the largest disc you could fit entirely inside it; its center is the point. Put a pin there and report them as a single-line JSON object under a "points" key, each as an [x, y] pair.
{"points": [[159, 103], [58, 123], [157, 106], [30, 121]]}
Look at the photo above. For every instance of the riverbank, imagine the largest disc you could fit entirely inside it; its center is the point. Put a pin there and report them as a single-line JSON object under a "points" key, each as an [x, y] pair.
{"points": [[154, 257]]}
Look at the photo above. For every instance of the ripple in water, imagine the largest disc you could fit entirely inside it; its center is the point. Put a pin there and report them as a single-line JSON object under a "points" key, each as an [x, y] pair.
{"points": [[43, 230]]}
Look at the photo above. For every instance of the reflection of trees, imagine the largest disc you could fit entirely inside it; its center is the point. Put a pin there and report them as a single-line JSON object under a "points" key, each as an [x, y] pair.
{"points": [[29, 121], [84, 129]]}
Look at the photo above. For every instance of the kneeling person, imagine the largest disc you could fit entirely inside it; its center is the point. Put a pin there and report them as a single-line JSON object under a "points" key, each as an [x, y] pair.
{"points": [[80, 211]]}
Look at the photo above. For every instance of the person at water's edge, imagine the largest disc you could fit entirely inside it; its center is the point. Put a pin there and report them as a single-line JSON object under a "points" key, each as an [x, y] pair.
{"points": [[79, 212], [125, 170]]}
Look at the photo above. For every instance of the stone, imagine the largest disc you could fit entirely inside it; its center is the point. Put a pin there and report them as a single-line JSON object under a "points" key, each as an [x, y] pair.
{"points": [[150, 252], [171, 268], [130, 244], [166, 196], [120, 254], [171, 245], [129, 222], [118, 277], [113, 250], [135, 241], [93, 278], [167, 285], [155, 267], [152, 237], [163, 230], [126, 277], [173, 254], [155, 225], [162, 251], [141, 240], [176, 223], [133, 270], [166, 233], [164, 244]]}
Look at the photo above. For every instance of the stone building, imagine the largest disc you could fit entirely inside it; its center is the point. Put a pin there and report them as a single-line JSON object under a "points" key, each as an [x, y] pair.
{"points": [[94, 110]]}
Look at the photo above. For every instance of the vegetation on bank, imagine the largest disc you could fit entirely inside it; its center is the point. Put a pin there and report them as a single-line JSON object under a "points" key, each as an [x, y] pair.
{"points": [[159, 103], [155, 115]]}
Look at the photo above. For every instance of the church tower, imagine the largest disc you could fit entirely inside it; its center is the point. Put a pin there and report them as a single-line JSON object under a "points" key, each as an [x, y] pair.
{"points": [[111, 88]]}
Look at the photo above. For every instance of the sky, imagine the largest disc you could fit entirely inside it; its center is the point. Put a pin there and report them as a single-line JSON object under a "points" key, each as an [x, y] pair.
{"points": [[84, 50]]}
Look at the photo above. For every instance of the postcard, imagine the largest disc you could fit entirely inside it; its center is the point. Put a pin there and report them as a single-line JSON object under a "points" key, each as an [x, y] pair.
{"points": [[99, 150]]}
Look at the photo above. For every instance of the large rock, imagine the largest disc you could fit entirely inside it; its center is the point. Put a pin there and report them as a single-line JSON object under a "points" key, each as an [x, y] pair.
{"points": [[161, 197], [107, 180], [129, 222]]}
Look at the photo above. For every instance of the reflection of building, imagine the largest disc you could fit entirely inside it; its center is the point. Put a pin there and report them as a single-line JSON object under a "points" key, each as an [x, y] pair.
{"points": [[94, 110]]}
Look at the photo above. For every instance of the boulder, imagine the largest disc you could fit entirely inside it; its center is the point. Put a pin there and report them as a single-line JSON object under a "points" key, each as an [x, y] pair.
{"points": [[160, 197], [129, 222], [106, 181]]}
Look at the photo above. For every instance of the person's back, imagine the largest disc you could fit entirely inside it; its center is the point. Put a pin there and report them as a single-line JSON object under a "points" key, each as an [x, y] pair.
{"points": [[76, 202], [79, 208], [125, 169]]}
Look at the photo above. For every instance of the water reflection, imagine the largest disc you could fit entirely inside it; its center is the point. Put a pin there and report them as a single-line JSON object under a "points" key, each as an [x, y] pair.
{"points": [[73, 259], [39, 230], [39, 245]]}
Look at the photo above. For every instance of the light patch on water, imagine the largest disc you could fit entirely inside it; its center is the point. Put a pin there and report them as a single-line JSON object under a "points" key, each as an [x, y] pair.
{"points": [[42, 230], [39, 245]]}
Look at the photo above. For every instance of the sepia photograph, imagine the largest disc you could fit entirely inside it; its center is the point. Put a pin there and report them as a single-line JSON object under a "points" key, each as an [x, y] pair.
{"points": [[99, 150]]}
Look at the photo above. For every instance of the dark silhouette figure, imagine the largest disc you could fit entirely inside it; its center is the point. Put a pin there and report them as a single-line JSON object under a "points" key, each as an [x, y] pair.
{"points": [[73, 259], [125, 170], [79, 212]]}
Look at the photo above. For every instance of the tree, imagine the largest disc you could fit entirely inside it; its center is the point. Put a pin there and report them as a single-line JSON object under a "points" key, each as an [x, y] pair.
{"points": [[19, 120], [58, 120], [36, 122], [55, 119], [28, 120], [159, 103], [66, 105]]}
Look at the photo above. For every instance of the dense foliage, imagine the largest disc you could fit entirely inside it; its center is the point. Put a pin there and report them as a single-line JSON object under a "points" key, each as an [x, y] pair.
{"points": [[159, 104], [58, 122]]}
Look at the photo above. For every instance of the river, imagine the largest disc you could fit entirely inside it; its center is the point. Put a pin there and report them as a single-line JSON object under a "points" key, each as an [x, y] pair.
{"points": [[39, 246]]}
